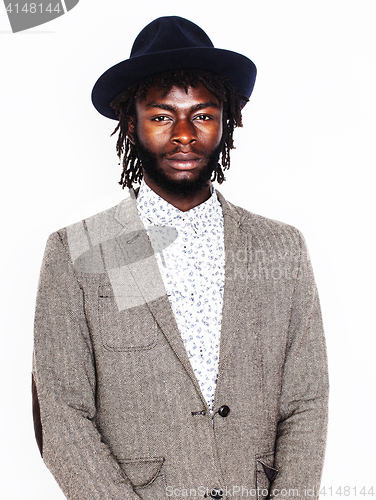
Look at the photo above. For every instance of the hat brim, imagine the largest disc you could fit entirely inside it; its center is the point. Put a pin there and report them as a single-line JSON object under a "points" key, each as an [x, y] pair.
{"points": [[240, 71]]}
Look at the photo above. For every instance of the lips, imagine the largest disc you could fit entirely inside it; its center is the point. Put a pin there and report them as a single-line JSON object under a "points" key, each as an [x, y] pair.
{"points": [[184, 161], [184, 156]]}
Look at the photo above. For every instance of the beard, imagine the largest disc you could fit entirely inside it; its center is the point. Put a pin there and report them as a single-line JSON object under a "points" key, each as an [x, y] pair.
{"points": [[183, 187]]}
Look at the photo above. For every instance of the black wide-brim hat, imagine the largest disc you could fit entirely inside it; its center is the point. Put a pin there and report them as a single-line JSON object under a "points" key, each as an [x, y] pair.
{"points": [[171, 43]]}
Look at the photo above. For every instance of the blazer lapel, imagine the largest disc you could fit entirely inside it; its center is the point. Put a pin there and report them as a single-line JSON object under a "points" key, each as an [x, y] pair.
{"points": [[236, 256], [142, 264]]}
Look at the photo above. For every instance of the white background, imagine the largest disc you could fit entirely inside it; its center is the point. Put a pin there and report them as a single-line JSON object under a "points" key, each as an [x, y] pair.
{"points": [[306, 156]]}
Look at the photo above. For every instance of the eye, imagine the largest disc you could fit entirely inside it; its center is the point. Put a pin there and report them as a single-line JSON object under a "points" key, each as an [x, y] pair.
{"points": [[203, 117], [161, 118]]}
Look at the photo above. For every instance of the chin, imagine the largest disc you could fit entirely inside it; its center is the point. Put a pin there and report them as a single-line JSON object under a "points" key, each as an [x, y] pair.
{"points": [[184, 183], [184, 187]]}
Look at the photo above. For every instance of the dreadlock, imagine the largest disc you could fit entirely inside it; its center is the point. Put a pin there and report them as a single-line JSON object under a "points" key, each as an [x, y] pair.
{"points": [[125, 107]]}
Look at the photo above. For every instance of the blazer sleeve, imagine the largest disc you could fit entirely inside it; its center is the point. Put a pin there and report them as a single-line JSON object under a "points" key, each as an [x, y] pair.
{"points": [[64, 387], [303, 412]]}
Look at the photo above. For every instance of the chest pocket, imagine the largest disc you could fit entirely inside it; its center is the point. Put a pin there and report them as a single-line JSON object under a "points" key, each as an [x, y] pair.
{"points": [[132, 329]]}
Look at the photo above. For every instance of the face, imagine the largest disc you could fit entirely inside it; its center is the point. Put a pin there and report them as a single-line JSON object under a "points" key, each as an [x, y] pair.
{"points": [[178, 136]]}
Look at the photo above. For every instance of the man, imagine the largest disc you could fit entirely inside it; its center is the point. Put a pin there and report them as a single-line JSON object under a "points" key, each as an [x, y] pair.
{"points": [[179, 349]]}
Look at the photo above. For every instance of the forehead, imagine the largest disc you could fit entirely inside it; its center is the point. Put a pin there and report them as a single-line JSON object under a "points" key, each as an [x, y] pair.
{"points": [[179, 97]]}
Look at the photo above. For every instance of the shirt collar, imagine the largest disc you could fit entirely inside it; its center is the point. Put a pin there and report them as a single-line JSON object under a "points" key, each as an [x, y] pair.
{"points": [[158, 211]]}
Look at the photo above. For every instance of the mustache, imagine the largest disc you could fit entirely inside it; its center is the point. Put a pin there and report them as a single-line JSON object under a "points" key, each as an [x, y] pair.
{"points": [[185, 150]]}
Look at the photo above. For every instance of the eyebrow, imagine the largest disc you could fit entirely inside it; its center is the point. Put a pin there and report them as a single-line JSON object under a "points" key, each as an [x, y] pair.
{"points": [[169, 107]]}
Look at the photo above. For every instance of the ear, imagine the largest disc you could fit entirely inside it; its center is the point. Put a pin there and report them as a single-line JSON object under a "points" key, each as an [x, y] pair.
{"points": [[131, 128]]}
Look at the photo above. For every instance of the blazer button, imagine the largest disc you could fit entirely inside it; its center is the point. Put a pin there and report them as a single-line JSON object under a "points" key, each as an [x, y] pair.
{"points": [[224, 411], [216, 493]]}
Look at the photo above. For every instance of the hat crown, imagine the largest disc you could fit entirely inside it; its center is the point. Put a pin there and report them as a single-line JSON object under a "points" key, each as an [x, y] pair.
{"points": [[172, 43], [169, 33]]}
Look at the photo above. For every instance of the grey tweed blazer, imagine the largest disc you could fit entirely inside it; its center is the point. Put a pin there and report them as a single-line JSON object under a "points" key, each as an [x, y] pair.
{"points": [[119, 414]]}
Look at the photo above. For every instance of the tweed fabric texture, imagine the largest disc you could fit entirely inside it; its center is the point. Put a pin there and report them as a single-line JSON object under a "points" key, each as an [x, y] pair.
{"points": [[122, 413]]}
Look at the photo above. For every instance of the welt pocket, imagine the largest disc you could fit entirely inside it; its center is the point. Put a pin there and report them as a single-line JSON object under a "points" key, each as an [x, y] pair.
{"points": [[265, 474], [132, 329], [142, 471]]}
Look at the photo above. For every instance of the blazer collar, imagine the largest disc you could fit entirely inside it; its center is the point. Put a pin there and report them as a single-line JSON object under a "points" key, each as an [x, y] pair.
{"points": [[127, 214]]}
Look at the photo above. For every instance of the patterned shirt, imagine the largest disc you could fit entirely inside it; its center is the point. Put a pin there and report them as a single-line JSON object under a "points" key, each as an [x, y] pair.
{"points": [[189, 248]]}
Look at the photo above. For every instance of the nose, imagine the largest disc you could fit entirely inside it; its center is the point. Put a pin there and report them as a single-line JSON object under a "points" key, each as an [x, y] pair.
{"points": [[184, 132]]}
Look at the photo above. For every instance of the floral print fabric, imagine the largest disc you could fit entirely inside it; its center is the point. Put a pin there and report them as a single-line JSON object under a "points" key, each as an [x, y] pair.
{"points": [[189, 248]]}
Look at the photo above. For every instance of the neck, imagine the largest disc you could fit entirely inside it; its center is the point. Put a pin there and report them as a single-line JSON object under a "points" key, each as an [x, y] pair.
{"points": [[182, 203]]}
